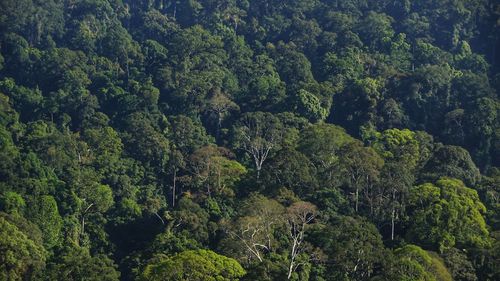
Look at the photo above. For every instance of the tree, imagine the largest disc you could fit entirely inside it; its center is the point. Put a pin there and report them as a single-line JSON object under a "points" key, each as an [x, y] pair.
{"points": [[8, 153], [187, 134], [357, 104], [21, 258], [413, 263], [291, 169], [394, 188], [196, 265], [26, 101], [106, 147], [212, 169], [93, 197], [454, 162], [169, 243], [374, 28], [483, 126], [175, 163], [254, 227], [218, 107], [343, 68], [353, 247], [191, 220], [75, 263], [486, 260], [132, 131], [12, 203], [401, 150], [360, 167], [298, 216], [309, 106], [266, 90], [460, 267], [44, 212], [489, 191], [35, 20], [445, 214], [198, 68], [293, 66], [322, 143], [258, 133], [144, 141], [399, 146], [399, 52]]}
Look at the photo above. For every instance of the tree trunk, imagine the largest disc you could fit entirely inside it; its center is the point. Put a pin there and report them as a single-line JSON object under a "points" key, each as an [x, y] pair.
{"points": [[83, 225], [173, 188], [219, 124], [356, 199], [290, 270], [392, 224], [292, 259], [393, 213]]}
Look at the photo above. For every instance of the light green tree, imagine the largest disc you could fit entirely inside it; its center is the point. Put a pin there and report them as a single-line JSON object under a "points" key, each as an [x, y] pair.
{"points": [[193, 265], [446, 214], [20, 257]]}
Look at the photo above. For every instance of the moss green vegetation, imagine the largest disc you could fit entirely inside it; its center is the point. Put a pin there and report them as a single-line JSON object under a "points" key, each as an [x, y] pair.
{"points": [[249, 140]]}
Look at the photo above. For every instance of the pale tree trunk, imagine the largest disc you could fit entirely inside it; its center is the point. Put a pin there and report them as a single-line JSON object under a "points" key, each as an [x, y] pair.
{"points": [[290, 270], [82, 232], [393, 213], [356, 199], [392, 224], [173, 188], [300, 215]]}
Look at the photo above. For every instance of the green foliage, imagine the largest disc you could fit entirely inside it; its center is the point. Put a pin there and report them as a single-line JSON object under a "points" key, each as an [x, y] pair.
{"points": [[77, 264], [21, 258], [168, 243], [454, 162], [45, 214], [447, 214], [308, 139], [252, 232], [194, 265], [214, 171], [486, 260], [310, 106], [296, 173], [458, 264], [375, 27], [8, 152], [360, 167], [353, 246], [192, 219], [12, 203], [322, 143], [145, 142], [413, 263]]}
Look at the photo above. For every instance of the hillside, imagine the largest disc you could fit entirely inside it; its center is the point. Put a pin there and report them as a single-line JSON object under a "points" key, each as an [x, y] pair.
{"points": [[205, 140]]}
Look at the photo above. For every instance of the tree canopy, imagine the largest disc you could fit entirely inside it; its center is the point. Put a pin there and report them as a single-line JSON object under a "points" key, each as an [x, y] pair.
{"points": [[249, 140]]}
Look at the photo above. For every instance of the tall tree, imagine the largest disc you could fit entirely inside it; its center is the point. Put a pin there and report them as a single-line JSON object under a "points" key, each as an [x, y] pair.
{"points": [[196, 265], [255, 226], [299, 216], [447, 214], [360, 168], [258, 133]]}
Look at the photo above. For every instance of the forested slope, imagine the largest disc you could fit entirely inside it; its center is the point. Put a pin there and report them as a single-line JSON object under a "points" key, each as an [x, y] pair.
{"points": [[249, 140]]}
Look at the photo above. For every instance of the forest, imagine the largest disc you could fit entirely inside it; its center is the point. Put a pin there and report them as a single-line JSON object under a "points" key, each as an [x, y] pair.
{"points": [[251, 140]]}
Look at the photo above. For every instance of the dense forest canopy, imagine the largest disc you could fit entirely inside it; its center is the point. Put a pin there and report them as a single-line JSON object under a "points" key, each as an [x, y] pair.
{"points": [[250, 140]]}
